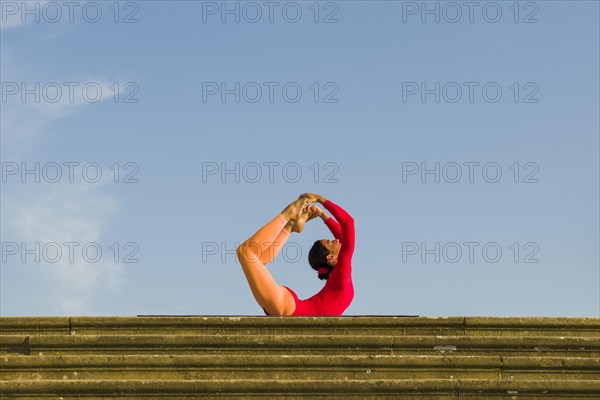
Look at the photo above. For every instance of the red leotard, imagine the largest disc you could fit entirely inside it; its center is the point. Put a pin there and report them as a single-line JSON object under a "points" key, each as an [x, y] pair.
{"points": [[338, 292]]}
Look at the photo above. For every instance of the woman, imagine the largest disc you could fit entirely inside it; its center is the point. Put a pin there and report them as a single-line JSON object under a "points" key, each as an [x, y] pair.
{"points": [[331, 258]]}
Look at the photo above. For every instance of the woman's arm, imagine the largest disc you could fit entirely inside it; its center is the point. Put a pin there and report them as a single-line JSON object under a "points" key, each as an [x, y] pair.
{"points": [[338, 212], [331, 223], [346, 223]]}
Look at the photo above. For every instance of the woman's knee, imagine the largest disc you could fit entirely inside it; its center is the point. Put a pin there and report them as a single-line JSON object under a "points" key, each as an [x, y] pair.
{"points": [[247, 252]]}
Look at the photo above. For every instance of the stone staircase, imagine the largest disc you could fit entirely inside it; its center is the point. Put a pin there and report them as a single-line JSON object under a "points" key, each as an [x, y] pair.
{"points": [[354, 357]]}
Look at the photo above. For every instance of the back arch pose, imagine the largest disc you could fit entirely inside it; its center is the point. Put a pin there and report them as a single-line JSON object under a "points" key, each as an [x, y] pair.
{"points": [[331, 258]]}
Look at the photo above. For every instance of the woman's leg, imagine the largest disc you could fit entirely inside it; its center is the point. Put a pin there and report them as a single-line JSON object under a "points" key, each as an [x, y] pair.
{"points": [[273, 297], [271, 252]]}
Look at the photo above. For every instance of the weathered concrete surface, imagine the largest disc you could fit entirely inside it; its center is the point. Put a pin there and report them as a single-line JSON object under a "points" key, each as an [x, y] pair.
{"points": [[301, 344], [283, 387], [292, 357], [285, 366], [385, 325]]}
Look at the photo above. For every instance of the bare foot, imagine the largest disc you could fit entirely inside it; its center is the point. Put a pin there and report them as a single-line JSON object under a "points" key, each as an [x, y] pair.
{"points": [[299, 223], [295, 209]]}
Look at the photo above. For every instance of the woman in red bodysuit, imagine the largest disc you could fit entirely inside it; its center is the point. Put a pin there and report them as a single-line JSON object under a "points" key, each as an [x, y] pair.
{"points": [[331, 258]]}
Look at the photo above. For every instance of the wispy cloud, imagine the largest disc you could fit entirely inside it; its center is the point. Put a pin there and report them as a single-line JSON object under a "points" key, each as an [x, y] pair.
{"points": [[24, 120], [59, 213], [54, 212]]}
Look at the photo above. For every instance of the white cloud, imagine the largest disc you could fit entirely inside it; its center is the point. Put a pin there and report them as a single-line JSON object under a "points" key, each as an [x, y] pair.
{"points": [[24, 122], [58, 213], [55, 212]]}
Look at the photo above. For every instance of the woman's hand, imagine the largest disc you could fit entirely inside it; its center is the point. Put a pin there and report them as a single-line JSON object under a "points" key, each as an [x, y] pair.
{"points": [[317, 212], [314, 212], [313, 197]]}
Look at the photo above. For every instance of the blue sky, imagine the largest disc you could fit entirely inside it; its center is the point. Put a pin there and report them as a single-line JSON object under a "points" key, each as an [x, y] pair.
{"points": [[354, 140]]}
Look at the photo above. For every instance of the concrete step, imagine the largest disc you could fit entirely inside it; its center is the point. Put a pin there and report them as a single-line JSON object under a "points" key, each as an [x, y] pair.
{"points": [[335, 367], [292, 344], [189, 357], [355, 325], [255, 388]]}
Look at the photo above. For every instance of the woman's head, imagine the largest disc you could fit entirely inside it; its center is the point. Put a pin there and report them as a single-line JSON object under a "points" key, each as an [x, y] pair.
{"points": [[324, 254]]}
